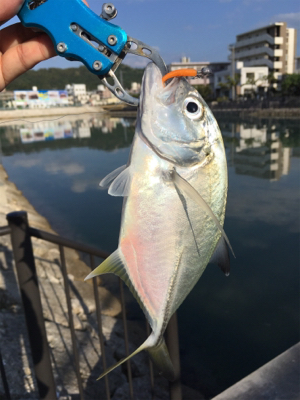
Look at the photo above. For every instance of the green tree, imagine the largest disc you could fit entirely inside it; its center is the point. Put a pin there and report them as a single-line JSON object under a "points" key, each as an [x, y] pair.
{"points": [[233, 82], [291, 85], [205, 91], [58, 78]]}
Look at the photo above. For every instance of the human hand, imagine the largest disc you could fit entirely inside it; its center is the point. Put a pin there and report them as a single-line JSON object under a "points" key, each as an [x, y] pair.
{"points": [[20, 48]]}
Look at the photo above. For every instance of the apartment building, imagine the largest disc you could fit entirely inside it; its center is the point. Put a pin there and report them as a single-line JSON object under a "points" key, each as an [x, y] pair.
{"points": [[273, 46], [186, 62], [253, 80]]}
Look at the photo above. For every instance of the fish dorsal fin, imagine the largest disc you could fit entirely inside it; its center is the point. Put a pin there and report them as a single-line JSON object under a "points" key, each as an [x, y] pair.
{"points": [[114, 265], [105, 183], [221, 256], [121, 184], [188, 190]]}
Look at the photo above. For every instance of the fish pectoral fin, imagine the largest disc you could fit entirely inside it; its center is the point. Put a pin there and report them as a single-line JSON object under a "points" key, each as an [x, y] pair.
{"points": [[121, 185], [105, 183], [221, 256], [186, 188], [161, 358], [118, 181]]}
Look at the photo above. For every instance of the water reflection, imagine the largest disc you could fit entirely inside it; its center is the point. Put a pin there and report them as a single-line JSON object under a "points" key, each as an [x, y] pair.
{"points": [[258, 150], [40, 135]]}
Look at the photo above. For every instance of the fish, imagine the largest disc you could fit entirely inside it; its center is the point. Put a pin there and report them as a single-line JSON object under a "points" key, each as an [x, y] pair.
{"points": [[175, 191]]}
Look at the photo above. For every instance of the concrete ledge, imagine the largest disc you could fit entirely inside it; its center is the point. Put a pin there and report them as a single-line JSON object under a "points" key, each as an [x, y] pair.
{"points": [[42, 112], [279, 379]]}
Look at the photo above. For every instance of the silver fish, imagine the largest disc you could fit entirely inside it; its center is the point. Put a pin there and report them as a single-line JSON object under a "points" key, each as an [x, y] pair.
{"points": [[175, 189]]}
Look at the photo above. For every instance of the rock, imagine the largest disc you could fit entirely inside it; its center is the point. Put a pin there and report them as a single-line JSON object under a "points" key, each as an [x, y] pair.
{"points": [[84, 292], [142, 390]]}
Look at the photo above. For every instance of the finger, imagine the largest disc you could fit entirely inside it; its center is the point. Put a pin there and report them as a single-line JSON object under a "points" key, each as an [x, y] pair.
{"points": [[13, 35], [25, 56], [9, 8]]}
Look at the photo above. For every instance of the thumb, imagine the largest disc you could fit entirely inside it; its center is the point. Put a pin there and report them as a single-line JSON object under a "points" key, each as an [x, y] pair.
{"points": [[9, 9]]}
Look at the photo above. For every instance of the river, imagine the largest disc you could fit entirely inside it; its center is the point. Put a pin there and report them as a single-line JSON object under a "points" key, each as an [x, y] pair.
{"points": [[228, 326]]}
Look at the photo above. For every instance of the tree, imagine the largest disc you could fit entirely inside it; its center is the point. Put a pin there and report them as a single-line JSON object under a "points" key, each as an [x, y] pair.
{"points": [[233, 82], [205, 91], [291, 85]]}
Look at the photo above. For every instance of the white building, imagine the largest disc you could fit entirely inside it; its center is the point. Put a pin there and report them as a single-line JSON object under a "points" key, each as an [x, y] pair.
{"points": [[198, 65], [77, 93], [252, 80], [272, 46]]}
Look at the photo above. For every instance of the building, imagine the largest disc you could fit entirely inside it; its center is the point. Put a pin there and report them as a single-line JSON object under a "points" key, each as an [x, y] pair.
{"points": [[272, 46], [198, 65], [297, 66], [39, 98], [77, 93], [253, 80]]}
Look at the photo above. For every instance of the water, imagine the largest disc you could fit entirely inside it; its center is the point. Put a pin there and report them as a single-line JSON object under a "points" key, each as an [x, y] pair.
{"points": [[228, 327]]}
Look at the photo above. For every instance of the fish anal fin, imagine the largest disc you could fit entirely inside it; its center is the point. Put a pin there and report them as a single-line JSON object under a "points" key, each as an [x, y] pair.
{"points": [[161, 358], [105, 183], [221, 256], [186, 188], [114, 264]]}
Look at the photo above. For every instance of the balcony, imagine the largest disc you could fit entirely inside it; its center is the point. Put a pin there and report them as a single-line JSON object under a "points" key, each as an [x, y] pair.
{"points": [[252, 52], [257, 39], [278, 53], [260, 62], [278, 64]]}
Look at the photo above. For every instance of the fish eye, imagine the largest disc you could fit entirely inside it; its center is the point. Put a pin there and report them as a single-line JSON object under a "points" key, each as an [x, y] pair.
{"points": [[192, 108]]}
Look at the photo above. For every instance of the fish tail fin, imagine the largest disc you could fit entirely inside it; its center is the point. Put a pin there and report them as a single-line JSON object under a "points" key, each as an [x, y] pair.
{"points": [[161, 358], [157, 348], [158, 353]]}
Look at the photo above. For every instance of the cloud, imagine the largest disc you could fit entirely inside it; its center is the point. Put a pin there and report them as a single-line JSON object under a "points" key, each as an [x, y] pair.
{"points": [[250, 2], [27, 162], [68, 169], [136, 61], [79, 186], [292, 19]]}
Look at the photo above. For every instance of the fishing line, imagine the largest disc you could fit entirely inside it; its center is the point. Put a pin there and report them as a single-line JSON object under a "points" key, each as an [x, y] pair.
{"points": [[49, 120]]}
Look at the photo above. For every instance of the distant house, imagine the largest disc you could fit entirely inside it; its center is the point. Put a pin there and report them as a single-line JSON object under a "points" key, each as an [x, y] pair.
{"points": [[198, 65]]}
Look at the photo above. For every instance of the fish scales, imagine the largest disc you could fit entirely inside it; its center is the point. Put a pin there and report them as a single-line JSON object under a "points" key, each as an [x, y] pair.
{"points": [[175, 189]]}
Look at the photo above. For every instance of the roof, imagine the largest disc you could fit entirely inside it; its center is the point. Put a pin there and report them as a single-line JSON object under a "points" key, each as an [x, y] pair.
{"points": [[262, 27]]}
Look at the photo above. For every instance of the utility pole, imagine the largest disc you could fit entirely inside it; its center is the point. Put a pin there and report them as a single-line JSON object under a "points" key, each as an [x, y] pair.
{"points": [[232, 49]]}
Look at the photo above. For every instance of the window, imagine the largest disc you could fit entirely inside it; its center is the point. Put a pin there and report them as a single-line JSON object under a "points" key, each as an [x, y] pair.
{"points": [[250, 75]]}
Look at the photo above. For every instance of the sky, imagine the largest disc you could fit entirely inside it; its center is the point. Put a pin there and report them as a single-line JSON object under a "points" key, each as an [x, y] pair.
{"points": [[199, 29]]}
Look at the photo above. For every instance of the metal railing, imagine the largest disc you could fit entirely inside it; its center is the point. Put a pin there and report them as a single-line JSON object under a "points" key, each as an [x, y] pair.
{"points": [[21, 234]]}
